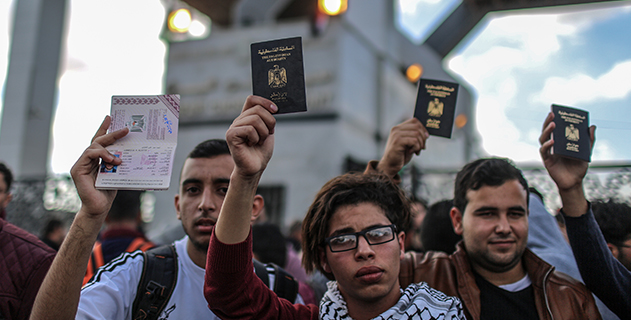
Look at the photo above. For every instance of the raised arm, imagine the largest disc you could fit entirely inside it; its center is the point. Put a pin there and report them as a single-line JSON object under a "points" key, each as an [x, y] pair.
{"points": [[251, 142], [231, 288], [605, 276], [59, 294], [405, 139], [567, 173]]}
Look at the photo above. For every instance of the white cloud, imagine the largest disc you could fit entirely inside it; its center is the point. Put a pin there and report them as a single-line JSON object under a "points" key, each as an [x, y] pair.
{"points": [[536, 36], [510, 47], [481, 70], [603, 150], [581, 88], [585, 19]]}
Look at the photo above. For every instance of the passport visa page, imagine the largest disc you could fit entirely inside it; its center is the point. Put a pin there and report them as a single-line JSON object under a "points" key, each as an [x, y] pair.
{"points": [[148, 149]]}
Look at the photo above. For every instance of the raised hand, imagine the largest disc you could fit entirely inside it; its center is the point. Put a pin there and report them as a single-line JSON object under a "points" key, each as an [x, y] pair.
{"points": [[405, 139], [84, 171], [58, 297], [567, 173], [251, 137]]}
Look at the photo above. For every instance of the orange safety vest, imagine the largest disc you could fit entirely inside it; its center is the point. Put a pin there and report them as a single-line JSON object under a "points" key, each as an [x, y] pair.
{"points": [[96, 259]]}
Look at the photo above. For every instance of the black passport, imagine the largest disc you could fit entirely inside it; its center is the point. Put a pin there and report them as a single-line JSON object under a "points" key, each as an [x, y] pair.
{"points": [[278, 73], [571, 133], [436, 106]]}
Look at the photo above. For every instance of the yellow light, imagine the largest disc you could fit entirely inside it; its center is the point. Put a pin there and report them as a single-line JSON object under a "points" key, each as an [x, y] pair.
{"points": [[414, 72], [180, 20], [332, 7], [461, 121]]}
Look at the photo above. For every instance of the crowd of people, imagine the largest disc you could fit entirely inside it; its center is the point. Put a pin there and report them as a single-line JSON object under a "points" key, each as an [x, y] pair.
{"points": [[364, 250]]}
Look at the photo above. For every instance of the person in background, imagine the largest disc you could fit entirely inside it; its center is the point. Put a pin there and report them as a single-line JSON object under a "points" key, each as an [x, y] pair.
{"points": [[294, 236], [5, 189], [437, 232], [412, 235], [269, 246], [122, 233], [24, 260], [614, 220], [54, 233]]}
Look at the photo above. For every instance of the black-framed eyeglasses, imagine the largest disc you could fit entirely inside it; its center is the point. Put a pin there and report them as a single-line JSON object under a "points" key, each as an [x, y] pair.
{"points": [[348, 241]]}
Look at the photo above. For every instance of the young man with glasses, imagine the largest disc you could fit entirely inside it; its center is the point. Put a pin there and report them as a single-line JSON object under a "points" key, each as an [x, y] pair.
{"points": [[351, 233]]}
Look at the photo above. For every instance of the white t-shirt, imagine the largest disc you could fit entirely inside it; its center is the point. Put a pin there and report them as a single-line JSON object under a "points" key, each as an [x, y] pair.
{"points": [[111, 293]]}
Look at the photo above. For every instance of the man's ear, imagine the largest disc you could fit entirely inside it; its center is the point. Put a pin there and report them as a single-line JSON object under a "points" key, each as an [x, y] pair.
{"points": [[177, 206], [456, 220], [614, 250], [324, 263], [257, 207], [402, 244]]}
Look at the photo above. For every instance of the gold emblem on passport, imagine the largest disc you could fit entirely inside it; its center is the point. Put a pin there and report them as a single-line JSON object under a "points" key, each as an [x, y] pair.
{"points": [[277, 77], [571, 133], [435, 108]]}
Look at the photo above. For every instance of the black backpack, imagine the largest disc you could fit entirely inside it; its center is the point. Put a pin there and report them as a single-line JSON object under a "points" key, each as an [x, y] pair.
{"points": [[159, 276]]}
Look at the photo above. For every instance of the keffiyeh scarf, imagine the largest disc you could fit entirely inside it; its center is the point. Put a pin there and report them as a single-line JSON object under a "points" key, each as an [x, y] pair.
{"points": [[418, 301]]}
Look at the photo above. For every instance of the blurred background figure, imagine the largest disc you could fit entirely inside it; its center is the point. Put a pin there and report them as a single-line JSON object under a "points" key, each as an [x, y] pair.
{"points": [[294, 236], [54, 233], [270, 246], [123, 232], [24, 260], [412, 236], [6, 178], [614, 220], [437, 232]]}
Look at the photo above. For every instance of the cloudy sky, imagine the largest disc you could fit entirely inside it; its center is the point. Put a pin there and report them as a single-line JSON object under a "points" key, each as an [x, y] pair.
{"points": [[516, 63]]}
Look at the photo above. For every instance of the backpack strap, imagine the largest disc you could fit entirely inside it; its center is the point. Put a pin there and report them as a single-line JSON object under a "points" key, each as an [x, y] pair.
{"points": [[157, 282], [261, 272], [285, 286]]}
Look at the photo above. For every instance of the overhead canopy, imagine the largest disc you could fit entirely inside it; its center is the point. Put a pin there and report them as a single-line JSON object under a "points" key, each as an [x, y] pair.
{"points": [[444, 39]]}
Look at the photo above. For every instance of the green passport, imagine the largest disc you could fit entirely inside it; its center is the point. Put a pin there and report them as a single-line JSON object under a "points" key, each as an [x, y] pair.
{"points": [[436, 106], [278, 73], [571, 133]]}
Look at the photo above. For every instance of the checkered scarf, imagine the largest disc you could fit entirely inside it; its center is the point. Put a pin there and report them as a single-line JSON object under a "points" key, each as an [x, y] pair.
{"points": [[418, 301]]}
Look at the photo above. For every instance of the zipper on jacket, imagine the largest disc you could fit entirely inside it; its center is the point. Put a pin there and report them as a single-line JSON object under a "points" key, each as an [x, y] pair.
{"points": [[545, 293]]}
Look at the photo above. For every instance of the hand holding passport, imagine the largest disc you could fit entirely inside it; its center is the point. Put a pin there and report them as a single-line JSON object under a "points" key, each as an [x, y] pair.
{"points": [[436, 106]]}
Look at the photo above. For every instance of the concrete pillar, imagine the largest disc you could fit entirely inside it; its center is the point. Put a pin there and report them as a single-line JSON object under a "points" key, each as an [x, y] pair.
{"points": [[29, 101]]}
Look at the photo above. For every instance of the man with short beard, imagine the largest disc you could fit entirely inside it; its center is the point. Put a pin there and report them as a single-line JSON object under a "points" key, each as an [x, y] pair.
{"points": [[492, 271]]}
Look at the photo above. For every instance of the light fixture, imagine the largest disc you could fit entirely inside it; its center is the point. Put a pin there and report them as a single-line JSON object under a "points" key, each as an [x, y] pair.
{"points": [[461, 121], [184, 23], [414, 72], [332, 7], [180, 20]]}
